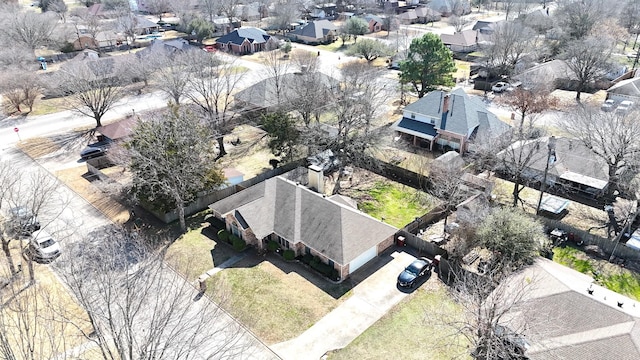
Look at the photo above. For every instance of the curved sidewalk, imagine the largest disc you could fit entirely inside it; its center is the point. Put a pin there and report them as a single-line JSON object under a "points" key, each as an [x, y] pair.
{"points": [[371, 299]]}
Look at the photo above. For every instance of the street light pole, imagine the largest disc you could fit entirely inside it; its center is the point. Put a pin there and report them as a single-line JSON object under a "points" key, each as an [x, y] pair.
{"points": [[551, 147]]}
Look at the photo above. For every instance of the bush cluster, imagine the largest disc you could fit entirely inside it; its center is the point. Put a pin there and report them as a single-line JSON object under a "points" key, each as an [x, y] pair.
{"points": [[289, 255], [237, 243]]}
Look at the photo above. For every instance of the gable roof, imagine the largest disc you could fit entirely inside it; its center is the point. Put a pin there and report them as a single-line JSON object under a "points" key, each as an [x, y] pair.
{"points": [[317, 29], [463, 38], [118, 129], [251, 34], [369, 17], [574, 161], [166, 47], [564, 322], [629, 87], [465, 113], [263, 94], [549, 71], [298, 214]]}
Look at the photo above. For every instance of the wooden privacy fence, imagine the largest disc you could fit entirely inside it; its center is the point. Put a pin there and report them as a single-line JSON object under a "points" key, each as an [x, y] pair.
{"points": [[607, 245]]}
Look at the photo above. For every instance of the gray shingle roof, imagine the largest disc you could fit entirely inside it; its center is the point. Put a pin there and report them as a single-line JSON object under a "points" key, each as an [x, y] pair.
{"points": [[315, 29], [465, 114], [298, 214], [238, 36], [263, 94], [629, 87]]}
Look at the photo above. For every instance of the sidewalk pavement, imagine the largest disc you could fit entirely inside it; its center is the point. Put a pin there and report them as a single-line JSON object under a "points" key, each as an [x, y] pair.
{"points": [[230, 262], [371, 300]]}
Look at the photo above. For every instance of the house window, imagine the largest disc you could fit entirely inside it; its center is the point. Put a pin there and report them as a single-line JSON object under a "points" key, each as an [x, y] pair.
{"points": [[413, 116], [432, 121], [331, 262], [307, 250]]}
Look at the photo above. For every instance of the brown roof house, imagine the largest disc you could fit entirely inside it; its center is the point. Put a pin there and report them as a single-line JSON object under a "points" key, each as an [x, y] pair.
{"points": [[449, 120], [305, 221]]}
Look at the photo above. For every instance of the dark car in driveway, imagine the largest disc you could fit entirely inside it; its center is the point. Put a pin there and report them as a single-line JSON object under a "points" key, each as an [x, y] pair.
{"points": [[416, 270], [95, 150]]}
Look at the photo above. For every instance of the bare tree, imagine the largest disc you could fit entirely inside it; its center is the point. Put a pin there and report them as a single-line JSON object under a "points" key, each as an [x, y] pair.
{"points": [[446, 184], [228, 8], [28, 28], [209, 8], [509, 42], [172, 76], [458, 22], [140, 308], [20, 87], [579, 17], [285, 12], [528, 100], [91, 87], [588, 59], [611, 137], [158, 7], [276, 67], [172, 159]]}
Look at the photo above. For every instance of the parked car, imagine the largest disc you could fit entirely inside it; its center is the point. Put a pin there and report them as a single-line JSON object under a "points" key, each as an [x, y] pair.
{"points": [[624, 107], [23, 221], [43, 247], [95, 150], [501, 86], [417, 269], [608, 105]]}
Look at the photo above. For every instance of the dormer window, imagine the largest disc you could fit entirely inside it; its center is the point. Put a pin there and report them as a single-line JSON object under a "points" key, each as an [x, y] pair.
{"points": [[413, 116]]}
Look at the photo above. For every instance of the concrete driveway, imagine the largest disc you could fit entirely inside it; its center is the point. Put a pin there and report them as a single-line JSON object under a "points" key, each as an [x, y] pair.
{"points": [[371, 299]]}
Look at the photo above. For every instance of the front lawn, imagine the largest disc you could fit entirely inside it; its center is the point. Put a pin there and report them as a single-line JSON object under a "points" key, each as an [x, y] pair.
{"points": [[397, 204], [611, 276], [277, 302], [413, 329]]}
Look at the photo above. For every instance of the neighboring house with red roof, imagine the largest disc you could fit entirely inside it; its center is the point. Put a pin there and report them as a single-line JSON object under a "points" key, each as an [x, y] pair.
{"points": [[246, 40], [448, 120], [305, 221]]}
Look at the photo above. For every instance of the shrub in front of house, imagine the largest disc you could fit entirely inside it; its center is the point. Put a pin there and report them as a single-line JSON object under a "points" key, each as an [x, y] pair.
{"points": [[237, 243], [307, 258], [272, 245], [223, 235], [289, 255], [322, 268]]}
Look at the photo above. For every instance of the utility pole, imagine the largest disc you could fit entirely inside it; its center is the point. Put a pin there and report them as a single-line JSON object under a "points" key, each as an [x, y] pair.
{"points": [[551, 150]]}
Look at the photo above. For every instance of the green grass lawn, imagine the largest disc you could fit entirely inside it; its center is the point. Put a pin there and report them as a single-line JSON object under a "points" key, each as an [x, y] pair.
{"points": [[276, 305], [193, 253], [413, 329], [613, 277], [397, 204]]}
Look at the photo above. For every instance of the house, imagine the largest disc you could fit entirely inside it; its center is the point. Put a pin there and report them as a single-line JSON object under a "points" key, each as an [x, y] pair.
{"points": [[315, 32], [465, 41], [427, 15], [449, 120], [166, 47], [572, 166], [293, 86], [375, 23], [305, 221], [94, 67], [555, 72], [408, 17], [565, 315], [141, 25], [486, 27], [117, 130], [246, 40], [223, 25], [628, 89]]}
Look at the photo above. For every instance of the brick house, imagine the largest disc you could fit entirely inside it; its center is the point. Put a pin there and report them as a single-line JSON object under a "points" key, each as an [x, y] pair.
{"points": [[305, 221], [246, 40]]}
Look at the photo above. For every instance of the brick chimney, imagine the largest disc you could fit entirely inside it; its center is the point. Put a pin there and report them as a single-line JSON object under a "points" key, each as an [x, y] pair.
{"points": [[316, 178], [445, 103]]}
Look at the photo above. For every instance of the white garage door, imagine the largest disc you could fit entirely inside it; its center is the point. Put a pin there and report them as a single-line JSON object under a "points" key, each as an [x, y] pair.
{"points": [[363, 259]]}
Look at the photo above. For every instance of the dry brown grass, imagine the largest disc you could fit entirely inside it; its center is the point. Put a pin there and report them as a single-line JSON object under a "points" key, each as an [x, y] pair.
{"points": [[55, 320], [38, 147], [251, 156], [74, 179]]}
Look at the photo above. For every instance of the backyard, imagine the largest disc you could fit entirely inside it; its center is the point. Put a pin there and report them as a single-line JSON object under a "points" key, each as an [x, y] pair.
{"points": [[612, 276]]}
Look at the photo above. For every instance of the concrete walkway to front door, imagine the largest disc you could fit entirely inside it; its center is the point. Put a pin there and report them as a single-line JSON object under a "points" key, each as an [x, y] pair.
{"points": [[371, 299]]}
